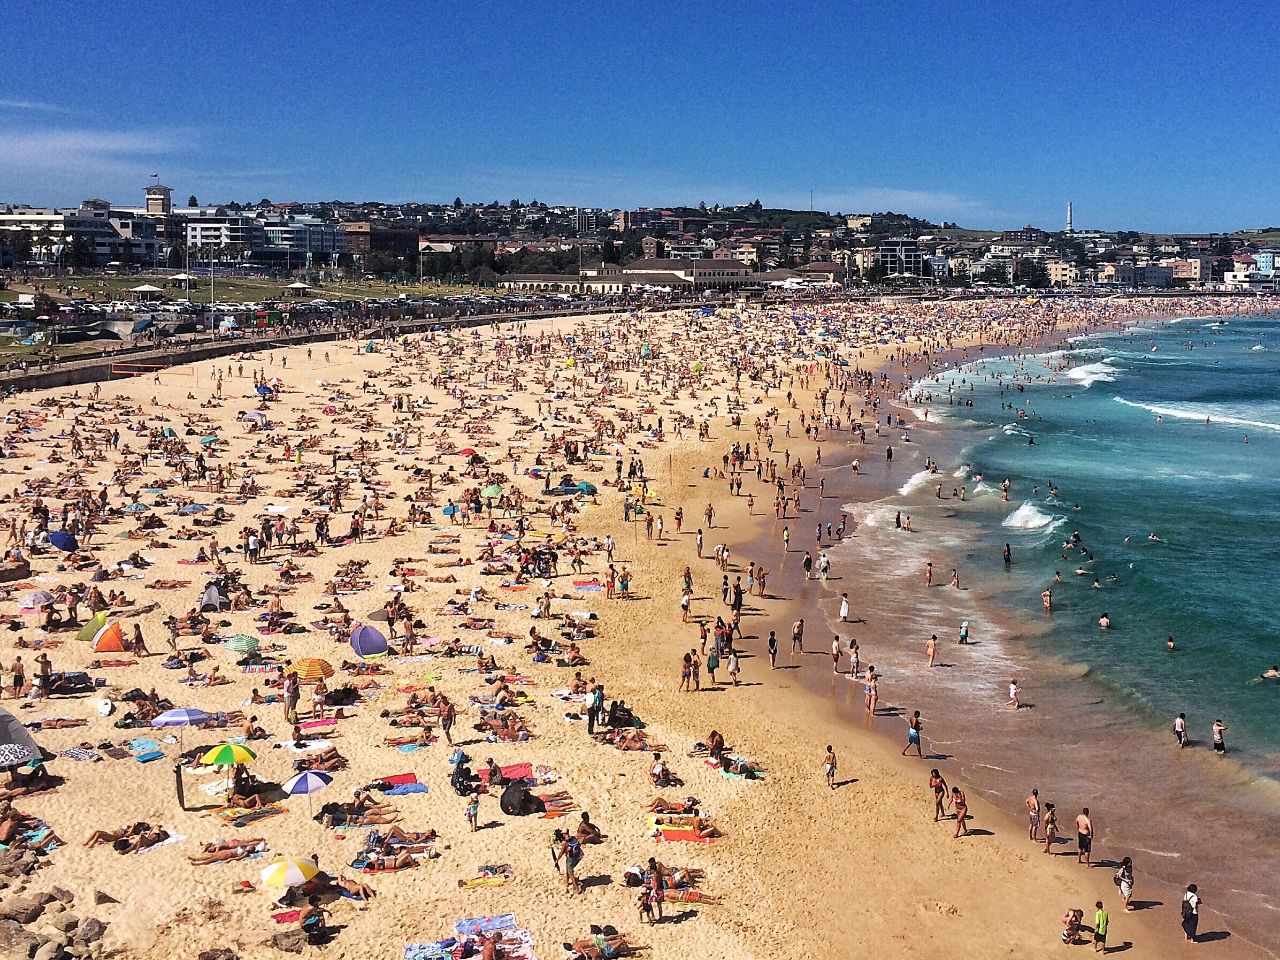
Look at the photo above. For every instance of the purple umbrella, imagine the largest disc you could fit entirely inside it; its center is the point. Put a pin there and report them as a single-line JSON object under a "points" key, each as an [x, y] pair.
{"points": [[368, 642]]}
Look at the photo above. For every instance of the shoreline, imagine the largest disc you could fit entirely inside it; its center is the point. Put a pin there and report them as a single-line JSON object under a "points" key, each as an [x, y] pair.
{"points": [[1070, 689]]}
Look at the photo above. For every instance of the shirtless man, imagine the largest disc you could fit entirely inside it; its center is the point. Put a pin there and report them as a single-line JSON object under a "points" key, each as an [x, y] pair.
{"points": [[1033, 815], [1084, 837]]}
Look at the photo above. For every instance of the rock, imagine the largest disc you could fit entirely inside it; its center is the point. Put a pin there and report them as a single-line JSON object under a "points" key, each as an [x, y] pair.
{"points": [[44, 897], [290, 941], [99, 898], [22, 909], [66, 922], [63, 894], [50, 951], [14, 940], [218, 953], [53, 906], [91, 930]]}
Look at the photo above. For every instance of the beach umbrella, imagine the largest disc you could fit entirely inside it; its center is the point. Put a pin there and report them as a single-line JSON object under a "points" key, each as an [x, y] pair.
{"points": [[368, 642], [308, 782], [180, 717], [208, 440], [169, 433], [289, 872], [311, 668], [212, 601], [493, 490], [263, 390], [242, 643], [228, 755], [92, 626], [467, 452], [588, 488], [36, 599], [138, 507], [16, 744], [63, 541]]}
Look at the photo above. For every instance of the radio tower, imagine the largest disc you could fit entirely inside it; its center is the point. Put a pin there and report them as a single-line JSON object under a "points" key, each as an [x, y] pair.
{"points": [[1069, 216]]}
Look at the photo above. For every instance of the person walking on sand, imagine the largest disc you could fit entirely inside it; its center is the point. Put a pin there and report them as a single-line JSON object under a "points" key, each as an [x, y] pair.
{"points": [[829, 767], [1191, 903], [931, 648], [1033, 815], [914, 725], [938, 784], [844, 608], [1219, 743], [1084, 837], [1014, 690], [1180, 729], [734, 667], [771, 645], [797, 636], [962, 812], [1124, 880], [835, 654]]}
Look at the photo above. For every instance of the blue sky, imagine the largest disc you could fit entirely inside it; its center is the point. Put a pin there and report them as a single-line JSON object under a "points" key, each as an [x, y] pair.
{"points": [[988, 114]]}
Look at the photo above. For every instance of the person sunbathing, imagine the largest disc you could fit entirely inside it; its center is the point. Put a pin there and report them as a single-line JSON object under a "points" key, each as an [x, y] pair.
{"points": [[358, 890], [424, 739], [627, 738], [660, 804], [386, 858], [601, 947], [141, 841], [588, 832], [219, 852], [573, 657], [56, 723], [409, 838], [244, 801], [327, 759], [702, 827]]}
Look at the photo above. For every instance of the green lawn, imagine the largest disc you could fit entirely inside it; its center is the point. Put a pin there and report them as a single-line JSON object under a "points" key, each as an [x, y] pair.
{"points": [[241, 289]]}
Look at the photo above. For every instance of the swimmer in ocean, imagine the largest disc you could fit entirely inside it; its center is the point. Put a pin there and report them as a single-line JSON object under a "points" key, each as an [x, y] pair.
{"points": [[1104, 621], [1272, 674], [1169, 644]]}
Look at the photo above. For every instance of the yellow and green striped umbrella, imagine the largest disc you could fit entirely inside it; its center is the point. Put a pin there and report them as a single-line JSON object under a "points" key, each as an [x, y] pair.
{"points": [[228, 755]]}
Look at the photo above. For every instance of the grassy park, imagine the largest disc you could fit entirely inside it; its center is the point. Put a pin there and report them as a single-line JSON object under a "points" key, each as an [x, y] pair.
{"points": [[231, 289]]}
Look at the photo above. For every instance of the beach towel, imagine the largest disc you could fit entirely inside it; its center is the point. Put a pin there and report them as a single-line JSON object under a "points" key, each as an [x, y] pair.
{"points": [[477, 925], [171, 839], [79, 753], [307, 746], [287, 916], [143, 745], [402, 789], [411, 747], [497, 875], [398, 779], [216, 788], [149, 756]]}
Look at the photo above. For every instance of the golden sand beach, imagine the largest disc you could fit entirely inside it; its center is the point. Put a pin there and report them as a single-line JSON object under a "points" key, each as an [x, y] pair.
{"points": [[447, 451]]}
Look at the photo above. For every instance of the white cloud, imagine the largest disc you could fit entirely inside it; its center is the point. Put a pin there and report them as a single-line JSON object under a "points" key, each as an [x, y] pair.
{"points": [[35, 105]]}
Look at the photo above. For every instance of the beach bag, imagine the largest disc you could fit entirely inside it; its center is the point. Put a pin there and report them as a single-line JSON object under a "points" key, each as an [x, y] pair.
{"points": [[1187, 910], [1116, 879]]}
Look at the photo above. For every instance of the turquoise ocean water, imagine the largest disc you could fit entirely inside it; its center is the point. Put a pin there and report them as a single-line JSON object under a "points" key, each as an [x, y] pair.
{"points": [[1139, 433]]}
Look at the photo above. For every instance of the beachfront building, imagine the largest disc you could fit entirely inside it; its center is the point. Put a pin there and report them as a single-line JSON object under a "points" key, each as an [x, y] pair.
{"points": [[1191, 269], [217, 228], [1062, 273], [1252, 281], [301, 241], [901, 257], [99, 233], [366, 236]]}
